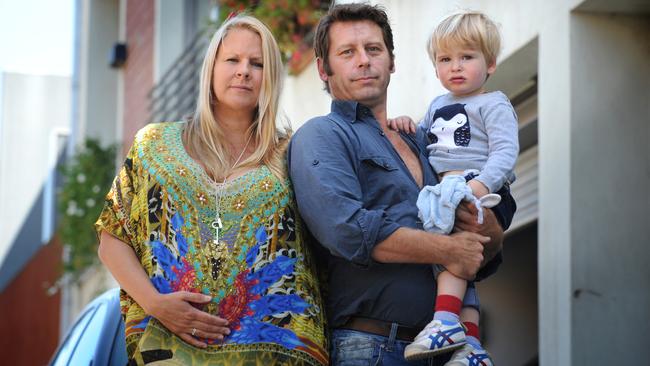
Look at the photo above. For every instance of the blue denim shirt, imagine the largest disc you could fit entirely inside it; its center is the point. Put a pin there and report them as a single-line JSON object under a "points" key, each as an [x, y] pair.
{"points": [[353, 191]]}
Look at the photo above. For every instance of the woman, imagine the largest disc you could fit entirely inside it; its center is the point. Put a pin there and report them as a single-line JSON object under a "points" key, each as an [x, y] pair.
{"points": [[200, 226]]}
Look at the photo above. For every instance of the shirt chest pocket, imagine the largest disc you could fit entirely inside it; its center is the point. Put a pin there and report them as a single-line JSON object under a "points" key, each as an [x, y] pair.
{"points": [[379, 162], [381, 179]]}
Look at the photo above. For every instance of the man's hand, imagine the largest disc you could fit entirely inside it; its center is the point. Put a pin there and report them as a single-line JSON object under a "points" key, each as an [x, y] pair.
{"points": [[465, 254], [402, 124], [467, 220]]}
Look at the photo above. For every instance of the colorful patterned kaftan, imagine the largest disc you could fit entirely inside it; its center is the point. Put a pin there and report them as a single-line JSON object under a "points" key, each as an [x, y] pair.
{"points": [[260, 274]]}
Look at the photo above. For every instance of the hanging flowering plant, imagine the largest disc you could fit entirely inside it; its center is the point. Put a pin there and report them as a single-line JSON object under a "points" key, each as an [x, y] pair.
{"points": [[87, 176], [292, 23]]}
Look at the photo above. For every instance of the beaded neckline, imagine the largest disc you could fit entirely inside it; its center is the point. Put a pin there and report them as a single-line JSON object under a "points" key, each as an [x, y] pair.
{"points": [[197, 169]]}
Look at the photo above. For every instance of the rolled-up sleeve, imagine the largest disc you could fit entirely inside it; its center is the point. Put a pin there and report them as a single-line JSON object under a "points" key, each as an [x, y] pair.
{"points": [[324, 171]]}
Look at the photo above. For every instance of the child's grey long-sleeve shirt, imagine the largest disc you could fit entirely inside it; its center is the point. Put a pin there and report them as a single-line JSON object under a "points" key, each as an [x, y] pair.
{"points": [[476, 132]]}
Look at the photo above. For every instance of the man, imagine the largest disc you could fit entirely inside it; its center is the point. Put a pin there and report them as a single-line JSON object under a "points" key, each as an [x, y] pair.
{"points": [[356, 183]]}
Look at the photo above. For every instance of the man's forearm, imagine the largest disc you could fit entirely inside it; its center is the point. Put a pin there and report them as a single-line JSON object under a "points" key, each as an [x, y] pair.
{"points": [[406, 245], [461, 253]]}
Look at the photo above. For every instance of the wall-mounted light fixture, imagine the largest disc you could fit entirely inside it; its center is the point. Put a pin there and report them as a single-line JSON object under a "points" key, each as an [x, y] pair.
{"points": [[118, 55]]}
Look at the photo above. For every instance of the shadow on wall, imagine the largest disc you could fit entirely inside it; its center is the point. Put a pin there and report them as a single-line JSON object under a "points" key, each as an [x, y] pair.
{"points": [[509, 302]]}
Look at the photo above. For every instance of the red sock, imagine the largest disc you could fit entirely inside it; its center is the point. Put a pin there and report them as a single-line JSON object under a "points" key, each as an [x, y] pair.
{"points": [[448, 303], [472, 330]]}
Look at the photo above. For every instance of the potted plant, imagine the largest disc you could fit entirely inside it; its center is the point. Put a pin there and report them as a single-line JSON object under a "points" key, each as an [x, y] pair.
{"points": [[86, 177]]}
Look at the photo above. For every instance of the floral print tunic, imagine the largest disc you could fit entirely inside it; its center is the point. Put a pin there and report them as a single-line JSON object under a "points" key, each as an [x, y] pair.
{"points": [[260, 273]]}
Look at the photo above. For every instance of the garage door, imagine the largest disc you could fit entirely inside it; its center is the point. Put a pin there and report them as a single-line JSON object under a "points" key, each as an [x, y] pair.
{"points": [[524, 189]]}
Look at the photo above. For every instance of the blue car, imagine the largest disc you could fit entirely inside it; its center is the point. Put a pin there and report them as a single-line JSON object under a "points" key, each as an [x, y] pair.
{"points": [[97, 337]]}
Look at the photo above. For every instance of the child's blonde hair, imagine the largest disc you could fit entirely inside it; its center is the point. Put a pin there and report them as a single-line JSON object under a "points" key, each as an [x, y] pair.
{"points": [[466, 28]]}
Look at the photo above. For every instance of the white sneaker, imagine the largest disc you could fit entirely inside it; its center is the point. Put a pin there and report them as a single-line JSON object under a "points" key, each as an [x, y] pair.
{"points": [[437, 337], [470, 356]]}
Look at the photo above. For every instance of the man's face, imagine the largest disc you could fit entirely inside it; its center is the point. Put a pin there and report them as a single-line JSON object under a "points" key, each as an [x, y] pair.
{"points": [[359, 61]]}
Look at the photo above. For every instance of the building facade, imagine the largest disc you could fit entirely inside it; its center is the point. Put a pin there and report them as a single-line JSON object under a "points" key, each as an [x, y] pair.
{"points": [[34, 127]]}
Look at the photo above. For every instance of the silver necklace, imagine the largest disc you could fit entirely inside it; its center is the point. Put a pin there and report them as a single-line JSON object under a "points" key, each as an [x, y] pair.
{"points": [[217, 224]]}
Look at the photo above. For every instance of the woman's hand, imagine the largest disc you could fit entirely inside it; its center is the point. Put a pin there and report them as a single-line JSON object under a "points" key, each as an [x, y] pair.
{"points": [[176, 312]]}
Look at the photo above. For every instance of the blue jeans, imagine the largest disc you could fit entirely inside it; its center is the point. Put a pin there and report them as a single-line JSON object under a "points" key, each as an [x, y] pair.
{"points": [[355, 348]]}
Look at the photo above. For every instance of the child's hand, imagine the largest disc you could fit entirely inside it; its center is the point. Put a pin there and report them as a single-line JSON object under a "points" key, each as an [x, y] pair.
{"points": [[402, 124], [478, 189]]}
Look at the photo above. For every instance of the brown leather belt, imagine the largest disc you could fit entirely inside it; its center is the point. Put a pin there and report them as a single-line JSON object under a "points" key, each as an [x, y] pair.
{"points": [[380, 327]]}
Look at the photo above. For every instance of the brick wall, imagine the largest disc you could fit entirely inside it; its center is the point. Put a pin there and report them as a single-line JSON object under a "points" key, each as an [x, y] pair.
{"points": [[138, 70]]}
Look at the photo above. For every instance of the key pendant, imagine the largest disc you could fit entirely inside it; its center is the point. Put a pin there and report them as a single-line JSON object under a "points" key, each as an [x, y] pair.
{"points": [[216, 224]]}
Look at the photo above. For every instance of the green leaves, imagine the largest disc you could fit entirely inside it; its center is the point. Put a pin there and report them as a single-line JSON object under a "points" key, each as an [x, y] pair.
{"points": [[87, 177]]}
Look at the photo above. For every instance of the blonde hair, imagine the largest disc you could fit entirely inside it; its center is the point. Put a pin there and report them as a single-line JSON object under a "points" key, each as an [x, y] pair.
{"points": [[467, 28], [203, 136]]}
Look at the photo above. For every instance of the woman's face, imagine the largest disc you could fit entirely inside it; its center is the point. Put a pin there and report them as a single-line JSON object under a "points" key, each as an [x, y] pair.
{"points": [[237, 73]]}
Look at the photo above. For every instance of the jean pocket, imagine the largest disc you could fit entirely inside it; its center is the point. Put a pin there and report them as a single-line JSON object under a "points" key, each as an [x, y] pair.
{"points": [[352, 349]]}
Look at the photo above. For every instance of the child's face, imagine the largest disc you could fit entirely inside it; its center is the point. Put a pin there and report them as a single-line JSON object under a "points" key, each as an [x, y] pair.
{"points": [[462, 70]]}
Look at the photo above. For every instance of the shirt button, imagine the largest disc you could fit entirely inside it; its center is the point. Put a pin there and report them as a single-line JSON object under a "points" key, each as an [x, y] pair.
{"points": [[315, 162], [382, 133]]}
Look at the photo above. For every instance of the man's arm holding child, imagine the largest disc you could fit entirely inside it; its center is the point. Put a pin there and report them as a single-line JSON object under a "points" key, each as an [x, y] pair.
{"points": [[466, 221], [461, 253], [330, 201]]}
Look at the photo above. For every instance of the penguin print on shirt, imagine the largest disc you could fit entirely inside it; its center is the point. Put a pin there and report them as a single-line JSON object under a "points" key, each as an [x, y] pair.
{"points": [[450, 127]]}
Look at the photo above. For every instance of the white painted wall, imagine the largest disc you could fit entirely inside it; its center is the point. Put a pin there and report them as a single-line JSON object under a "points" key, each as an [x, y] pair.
{"points": [[610, 176], [98, 82], [32, 106], [304, 97], [169, 35], [509, 302], [554, 192]]}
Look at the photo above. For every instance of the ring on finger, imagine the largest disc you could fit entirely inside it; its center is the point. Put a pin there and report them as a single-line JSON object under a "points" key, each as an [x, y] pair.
{"points": [[193, 331]]}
